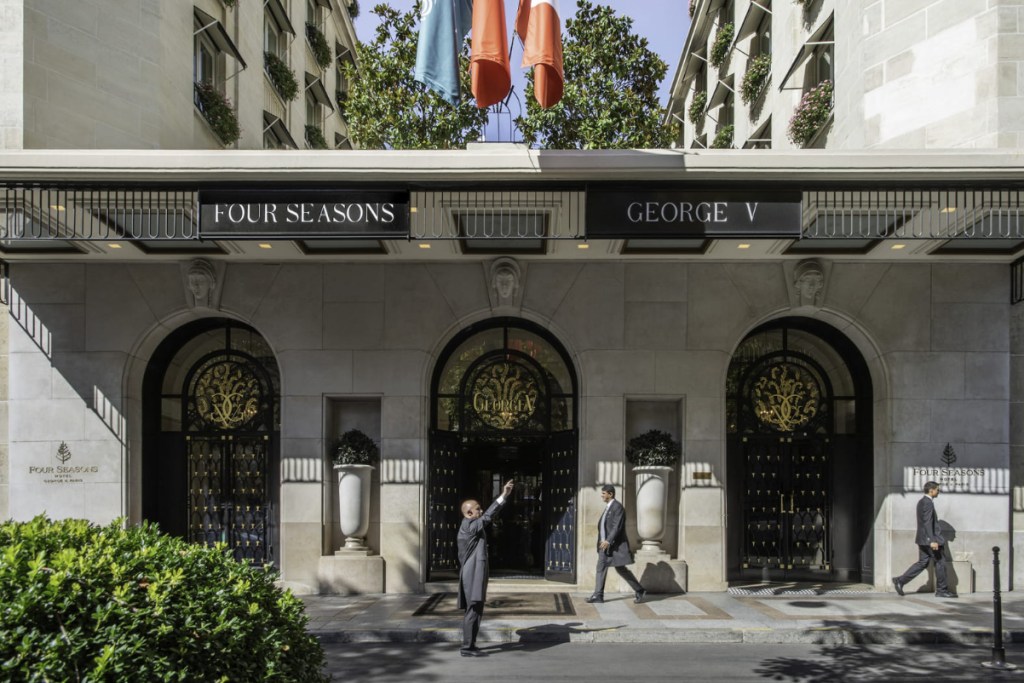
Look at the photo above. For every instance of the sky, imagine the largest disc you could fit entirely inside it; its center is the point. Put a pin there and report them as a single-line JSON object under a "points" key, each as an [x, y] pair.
{"points": [[663, 22]]}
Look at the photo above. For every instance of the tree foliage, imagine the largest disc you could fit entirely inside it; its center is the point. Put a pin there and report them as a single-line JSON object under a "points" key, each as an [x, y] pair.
{"points": [[387, 109], [611, 89]]}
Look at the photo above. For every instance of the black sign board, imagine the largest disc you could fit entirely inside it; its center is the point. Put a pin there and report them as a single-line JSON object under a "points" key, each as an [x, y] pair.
{"points": [[666, 214], [306, 214]]}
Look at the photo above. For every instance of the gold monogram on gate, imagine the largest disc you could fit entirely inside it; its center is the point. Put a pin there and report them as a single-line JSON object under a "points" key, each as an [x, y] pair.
{"points": [[504, 396], [227, 394], [785, 397]]}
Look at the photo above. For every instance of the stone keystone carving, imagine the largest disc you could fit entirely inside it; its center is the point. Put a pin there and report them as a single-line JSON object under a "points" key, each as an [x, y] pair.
{"points": [[505, 283], [809, 283]]}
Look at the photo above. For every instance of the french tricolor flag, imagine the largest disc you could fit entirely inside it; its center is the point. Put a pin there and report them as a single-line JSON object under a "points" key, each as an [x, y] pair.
{"points": [[539, 26]]}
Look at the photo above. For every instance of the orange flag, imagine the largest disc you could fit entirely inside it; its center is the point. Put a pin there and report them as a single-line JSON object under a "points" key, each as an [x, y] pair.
{"points": [[540, 28], [490, 73]]}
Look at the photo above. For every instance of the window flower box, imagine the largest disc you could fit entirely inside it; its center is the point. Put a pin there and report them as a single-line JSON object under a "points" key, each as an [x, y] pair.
{"points": [[723, 41], [218, 112], [759, 71], [811, 114], [696, 111], [693, 7], [281, 76], [315, 137], [723, 139], [318, 44]]}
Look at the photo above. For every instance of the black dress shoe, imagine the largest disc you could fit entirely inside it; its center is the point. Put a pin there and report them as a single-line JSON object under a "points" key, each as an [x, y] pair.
{"points": [[946, 594], [472, 652], [899, 586], [594, 598], [639, 595]]}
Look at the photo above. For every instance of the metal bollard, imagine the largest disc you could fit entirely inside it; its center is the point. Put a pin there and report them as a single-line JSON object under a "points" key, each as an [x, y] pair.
{"points": [[998, 660]]}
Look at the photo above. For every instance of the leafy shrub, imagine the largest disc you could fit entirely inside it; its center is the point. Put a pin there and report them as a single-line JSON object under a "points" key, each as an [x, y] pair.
{"points": [[218, 112], [355, 448], [758, 71], [654, 447], [89, 603], [230, 3], [723, 41], [811, 114], [353, 9], [315, 137], [700, 101], [281, 76], [723, 138], [318, 44], [693, 7]]}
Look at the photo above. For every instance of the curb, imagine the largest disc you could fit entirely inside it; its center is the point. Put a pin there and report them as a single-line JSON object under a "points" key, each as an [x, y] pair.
{"points": [[762, 636]]}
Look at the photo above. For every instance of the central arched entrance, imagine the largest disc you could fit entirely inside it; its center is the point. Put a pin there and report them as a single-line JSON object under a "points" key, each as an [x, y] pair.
{"points": [[799, 456], [504, 407]]}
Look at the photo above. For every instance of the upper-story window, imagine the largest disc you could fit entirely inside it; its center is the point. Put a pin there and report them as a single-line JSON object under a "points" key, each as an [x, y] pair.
{"points": [[761, 43], [821, 66], [206, 66], [273, 40], [312, 13]]}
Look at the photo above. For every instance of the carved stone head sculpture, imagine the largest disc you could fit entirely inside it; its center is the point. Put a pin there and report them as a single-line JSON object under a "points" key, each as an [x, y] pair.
{"points": [[505, 282], [202, 281], [809, 282]]}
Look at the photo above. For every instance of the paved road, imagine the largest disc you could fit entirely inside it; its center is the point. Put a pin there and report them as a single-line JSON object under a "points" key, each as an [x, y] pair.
{"points": [[625, 663]]}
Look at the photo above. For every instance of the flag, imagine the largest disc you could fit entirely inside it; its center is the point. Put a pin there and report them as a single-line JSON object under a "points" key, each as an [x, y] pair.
{"points": [[443, 26], [490, 72], [540, 28]]}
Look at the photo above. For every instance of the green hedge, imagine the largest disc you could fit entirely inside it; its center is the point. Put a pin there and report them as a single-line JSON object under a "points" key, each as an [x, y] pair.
{"points": [[81, 602]]}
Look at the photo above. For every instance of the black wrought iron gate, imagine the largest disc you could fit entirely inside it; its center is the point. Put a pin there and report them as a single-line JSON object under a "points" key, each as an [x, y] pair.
{"points": [[561, 484], [786, 509], [229, 436], [443, 516]]}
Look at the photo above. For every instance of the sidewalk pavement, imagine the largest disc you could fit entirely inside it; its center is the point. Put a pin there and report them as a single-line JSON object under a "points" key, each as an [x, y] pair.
{"points": [[809, 616]]}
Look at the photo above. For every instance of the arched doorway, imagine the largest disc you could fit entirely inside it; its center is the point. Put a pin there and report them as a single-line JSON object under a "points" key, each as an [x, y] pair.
{"points": [[504, 406], [799, 456], [211, 421]]}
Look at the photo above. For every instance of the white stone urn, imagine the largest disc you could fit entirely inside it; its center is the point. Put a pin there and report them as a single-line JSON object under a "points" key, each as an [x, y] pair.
{"points": [[651, 504], [354, 504]]}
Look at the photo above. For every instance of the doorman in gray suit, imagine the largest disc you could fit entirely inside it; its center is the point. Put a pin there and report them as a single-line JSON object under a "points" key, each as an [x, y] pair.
{"points": [[613, 547], [472, 543], [930, 545]]}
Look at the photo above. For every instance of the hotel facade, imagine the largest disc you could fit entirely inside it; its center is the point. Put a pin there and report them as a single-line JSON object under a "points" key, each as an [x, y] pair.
{"points": [[189, 331]]}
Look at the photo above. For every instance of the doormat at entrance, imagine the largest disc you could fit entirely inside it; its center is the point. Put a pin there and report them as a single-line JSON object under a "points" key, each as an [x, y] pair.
{"points": [[501, 605], [769, 589]]}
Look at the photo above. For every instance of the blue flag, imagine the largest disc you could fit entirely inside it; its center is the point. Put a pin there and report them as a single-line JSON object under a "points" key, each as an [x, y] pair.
{"points": [[443, 27]]}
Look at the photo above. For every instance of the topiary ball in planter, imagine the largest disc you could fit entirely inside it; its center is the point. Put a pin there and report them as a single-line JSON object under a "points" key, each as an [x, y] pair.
{"points": [[90, 603], [653, 448], [355, 448]]}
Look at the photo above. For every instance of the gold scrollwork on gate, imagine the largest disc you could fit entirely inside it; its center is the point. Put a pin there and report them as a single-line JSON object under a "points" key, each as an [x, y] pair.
{"points": [[504, 396], [785, 397], [227, 395]]}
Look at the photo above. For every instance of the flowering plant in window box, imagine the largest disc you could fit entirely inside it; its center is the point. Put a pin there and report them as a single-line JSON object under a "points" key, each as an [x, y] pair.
{"points": [[218, 112], [700, 101], [693, 7], [281, 76], [758, 71], [723, 138], [315, 137], [318, 44], [812, 113], [723, 41]]}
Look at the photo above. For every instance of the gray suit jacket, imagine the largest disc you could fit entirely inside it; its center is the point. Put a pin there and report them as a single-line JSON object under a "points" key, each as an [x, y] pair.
{"points": [[618, 543], [928, 523], [472, 543]]}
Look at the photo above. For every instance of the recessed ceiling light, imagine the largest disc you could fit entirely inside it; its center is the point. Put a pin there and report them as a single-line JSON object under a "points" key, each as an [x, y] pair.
{"points": [[114, 245], [264, 245], [583, 246], [743, 246], [57, 207], [898, 246], [949, 209], [424, 245]]}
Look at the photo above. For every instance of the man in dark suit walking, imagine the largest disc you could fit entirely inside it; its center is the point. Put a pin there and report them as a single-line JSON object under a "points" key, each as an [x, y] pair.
{"points": [[613, 547], [930, 543], [473, 570]]}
